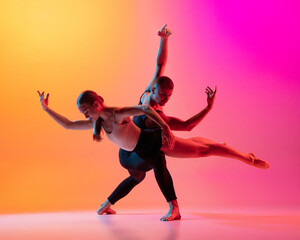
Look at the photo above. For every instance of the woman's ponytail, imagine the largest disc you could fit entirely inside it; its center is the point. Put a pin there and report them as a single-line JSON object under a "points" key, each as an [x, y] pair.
{"points": [[97, 130]]}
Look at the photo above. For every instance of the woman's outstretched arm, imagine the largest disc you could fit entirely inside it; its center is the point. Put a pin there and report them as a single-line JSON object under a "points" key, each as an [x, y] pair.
{"points": [[63, 121]]}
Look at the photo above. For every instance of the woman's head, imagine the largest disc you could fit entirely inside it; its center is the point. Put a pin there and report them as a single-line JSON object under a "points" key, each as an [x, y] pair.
{"points": [[90, 104]]}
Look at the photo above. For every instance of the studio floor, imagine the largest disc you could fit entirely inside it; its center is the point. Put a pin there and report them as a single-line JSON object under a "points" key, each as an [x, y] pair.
{"points": [[145, 224]]}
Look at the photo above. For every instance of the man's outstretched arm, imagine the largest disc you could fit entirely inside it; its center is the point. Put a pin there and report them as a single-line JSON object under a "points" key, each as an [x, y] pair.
{"points": [[180, 125], [162, 56]]}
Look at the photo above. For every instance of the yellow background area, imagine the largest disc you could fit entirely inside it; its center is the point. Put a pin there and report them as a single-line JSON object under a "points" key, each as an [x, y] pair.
{"points": [[62, 47]]}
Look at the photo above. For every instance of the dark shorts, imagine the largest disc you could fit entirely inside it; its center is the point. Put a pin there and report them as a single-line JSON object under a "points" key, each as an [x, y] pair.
{"points": [[133, 161], [149, 142], [146, 151]]}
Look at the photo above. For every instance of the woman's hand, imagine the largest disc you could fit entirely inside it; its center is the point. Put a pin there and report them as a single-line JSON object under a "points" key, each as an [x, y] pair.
{"points": [[44, 101], [168, 136], [164, 32], [210, 96]]}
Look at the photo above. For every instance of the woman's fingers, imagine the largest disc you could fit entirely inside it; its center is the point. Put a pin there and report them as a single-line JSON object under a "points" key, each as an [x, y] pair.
{"points": [[171, 141], [42, 96], [168, 137]]}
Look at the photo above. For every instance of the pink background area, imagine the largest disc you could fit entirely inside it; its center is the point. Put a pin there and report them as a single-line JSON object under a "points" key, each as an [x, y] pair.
{"points": [[249, 50]]}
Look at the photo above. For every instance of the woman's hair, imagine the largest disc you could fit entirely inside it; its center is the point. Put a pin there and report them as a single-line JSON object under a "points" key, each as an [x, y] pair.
{"points": [[89, 97]]}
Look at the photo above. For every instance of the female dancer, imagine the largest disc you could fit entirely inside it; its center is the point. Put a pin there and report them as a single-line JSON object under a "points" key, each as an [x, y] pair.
{"points": [[120, 129]]}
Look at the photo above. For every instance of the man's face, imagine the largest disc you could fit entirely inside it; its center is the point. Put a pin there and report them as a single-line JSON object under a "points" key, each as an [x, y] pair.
{"points": [[162, 94]]}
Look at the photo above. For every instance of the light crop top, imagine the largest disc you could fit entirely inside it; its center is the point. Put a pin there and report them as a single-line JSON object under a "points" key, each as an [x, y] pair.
{"points": [[125, 135]]}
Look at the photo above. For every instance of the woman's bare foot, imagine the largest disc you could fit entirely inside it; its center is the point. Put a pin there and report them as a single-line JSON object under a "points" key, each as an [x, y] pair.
{"points": [[256, 162], [173, 213], [105, 208]]}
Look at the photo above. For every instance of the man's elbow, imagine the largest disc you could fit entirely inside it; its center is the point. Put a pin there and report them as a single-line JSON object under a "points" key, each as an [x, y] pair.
{"points": [[188, 127], [182, 127]]}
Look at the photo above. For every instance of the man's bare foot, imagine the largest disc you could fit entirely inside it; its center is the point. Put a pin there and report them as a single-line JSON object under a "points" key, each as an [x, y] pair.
{"points": [[256, 162], [105, 208], [173, 213]]}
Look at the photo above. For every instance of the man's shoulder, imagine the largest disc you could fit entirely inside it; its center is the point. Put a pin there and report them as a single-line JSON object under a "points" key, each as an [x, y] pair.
{"points": [[145, 98]]}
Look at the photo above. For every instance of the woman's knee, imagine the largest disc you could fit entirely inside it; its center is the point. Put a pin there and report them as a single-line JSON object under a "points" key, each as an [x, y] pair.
{"points": [[137, 175]]}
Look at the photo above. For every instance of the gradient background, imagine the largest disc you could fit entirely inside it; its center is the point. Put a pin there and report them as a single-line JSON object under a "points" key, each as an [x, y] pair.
{"points": [[249, 50]]}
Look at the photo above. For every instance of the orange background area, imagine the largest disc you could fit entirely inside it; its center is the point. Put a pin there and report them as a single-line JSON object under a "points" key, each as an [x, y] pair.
{"points": [[65, 47]]}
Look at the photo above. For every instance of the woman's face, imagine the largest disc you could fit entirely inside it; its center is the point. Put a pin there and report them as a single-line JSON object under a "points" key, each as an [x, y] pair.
{"points": [[89, 111]]}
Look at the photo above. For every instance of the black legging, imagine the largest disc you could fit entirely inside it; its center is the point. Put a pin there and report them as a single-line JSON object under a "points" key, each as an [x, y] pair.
{"points": [[143, 159], [137, 166]]}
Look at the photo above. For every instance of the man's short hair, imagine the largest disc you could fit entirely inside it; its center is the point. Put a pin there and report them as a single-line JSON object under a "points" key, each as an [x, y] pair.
{"points": [[164, 82]]}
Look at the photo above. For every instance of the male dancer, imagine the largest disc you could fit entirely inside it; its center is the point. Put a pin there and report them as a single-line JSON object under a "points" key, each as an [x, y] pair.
{"points": [[157, 95]]}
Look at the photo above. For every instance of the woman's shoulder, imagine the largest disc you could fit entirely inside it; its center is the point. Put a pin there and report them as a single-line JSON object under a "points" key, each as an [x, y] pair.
{"points": [[118, 116]]}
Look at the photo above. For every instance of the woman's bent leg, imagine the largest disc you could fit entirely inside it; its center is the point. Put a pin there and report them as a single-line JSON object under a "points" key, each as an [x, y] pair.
{"points": [[126, 186], [121, 191]]}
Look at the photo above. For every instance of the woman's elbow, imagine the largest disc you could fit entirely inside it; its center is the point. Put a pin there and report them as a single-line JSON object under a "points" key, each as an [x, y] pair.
{"points": [[72, 125], [67, 126]]}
